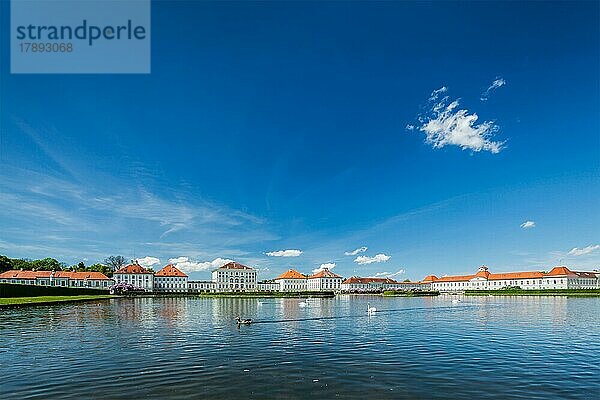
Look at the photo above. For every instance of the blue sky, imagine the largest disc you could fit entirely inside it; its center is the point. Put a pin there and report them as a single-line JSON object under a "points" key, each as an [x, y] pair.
{"points": [[266, 127]]}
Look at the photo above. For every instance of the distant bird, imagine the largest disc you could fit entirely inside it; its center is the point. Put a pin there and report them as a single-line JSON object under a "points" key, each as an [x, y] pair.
{"points": [[260, 303], [302, 304], [456, 301], [370, 309], [243, 321]]}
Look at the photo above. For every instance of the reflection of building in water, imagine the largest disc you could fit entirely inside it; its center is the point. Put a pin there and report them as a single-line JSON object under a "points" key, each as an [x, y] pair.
{"points": [[171, 280], [557, 278]]}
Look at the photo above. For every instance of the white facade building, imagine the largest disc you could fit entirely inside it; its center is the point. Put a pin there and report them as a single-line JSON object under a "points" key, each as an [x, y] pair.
{"points": [[234, 277], [557, 278], [292, 281], [170, 280], [136, 275], [92, 280], [267, 286], [324, 280], [202, 286], [368, 285]]}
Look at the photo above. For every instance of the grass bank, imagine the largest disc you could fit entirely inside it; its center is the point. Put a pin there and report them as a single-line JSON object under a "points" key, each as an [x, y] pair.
{"points": [[43, 300], [540, 292], [268, 294], [409, 293]]}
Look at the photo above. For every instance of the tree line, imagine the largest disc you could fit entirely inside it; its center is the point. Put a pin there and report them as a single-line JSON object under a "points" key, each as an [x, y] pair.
{"points": [[107, 267]]}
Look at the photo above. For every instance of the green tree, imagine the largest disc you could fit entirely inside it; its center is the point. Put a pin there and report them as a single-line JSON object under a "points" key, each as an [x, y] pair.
{"points": [[46, 264], [5, 264], [20, 263], [105, 269]]}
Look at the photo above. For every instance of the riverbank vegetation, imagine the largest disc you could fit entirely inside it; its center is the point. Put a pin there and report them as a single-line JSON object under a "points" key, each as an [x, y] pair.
{"points": [[109, 265], [411, 293], [42, 300], [540, 292]]}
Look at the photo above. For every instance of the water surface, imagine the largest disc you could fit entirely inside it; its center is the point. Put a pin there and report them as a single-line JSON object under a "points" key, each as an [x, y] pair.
{"points": [[186, 348]]}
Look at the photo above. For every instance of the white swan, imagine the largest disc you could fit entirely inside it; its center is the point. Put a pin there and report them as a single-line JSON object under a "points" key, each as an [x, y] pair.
{"points": [[370, 309], [302, 304], [456, 301]]}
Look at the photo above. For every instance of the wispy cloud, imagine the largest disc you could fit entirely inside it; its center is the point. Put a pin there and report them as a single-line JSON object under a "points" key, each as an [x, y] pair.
{"points": [[575, 251], [357, 251], [444, 123], [528, 225], [497, 83], [186, 265], [148, 261], [390, 274], [284, 253], [133, 219], [378, 258], [329, 266]]}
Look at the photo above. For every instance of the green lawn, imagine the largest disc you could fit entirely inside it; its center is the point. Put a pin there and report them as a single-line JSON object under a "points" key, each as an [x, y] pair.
{"points": [[15, 301]]}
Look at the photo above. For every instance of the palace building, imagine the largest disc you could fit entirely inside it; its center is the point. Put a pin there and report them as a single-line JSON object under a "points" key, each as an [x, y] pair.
{"points": [[558, 278], [170, 280], [136, 275], [234, 277], [324, 280], [292, 281], [94, 280], [374, 285]]}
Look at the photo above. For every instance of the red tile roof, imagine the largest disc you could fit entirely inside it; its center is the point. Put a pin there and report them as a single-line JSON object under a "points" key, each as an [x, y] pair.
{"points": [[14, 274], [457, 278], [516, 275], [133, 269], [170, 270], [561, 271], [556, 271], [234, 265], [356, 279], [324, 273], [291, 274]]}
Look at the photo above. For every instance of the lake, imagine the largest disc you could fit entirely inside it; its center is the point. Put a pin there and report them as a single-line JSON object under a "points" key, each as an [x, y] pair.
{"points": [[186, 348]]}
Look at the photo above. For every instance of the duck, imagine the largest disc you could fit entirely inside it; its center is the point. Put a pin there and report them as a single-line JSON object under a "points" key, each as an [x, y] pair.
{"points": [[240, 321], [370, 309], [302, 304]]}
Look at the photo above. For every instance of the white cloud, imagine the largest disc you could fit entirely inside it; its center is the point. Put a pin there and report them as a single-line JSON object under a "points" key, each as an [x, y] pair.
{"points": [[369, 260], [284, 253], [184, 264], [498, 82], [328, 266], [436, 93], [390, 275], [528, 225], [148, 261], [444, 124], [583, 251], [355, 252]]}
